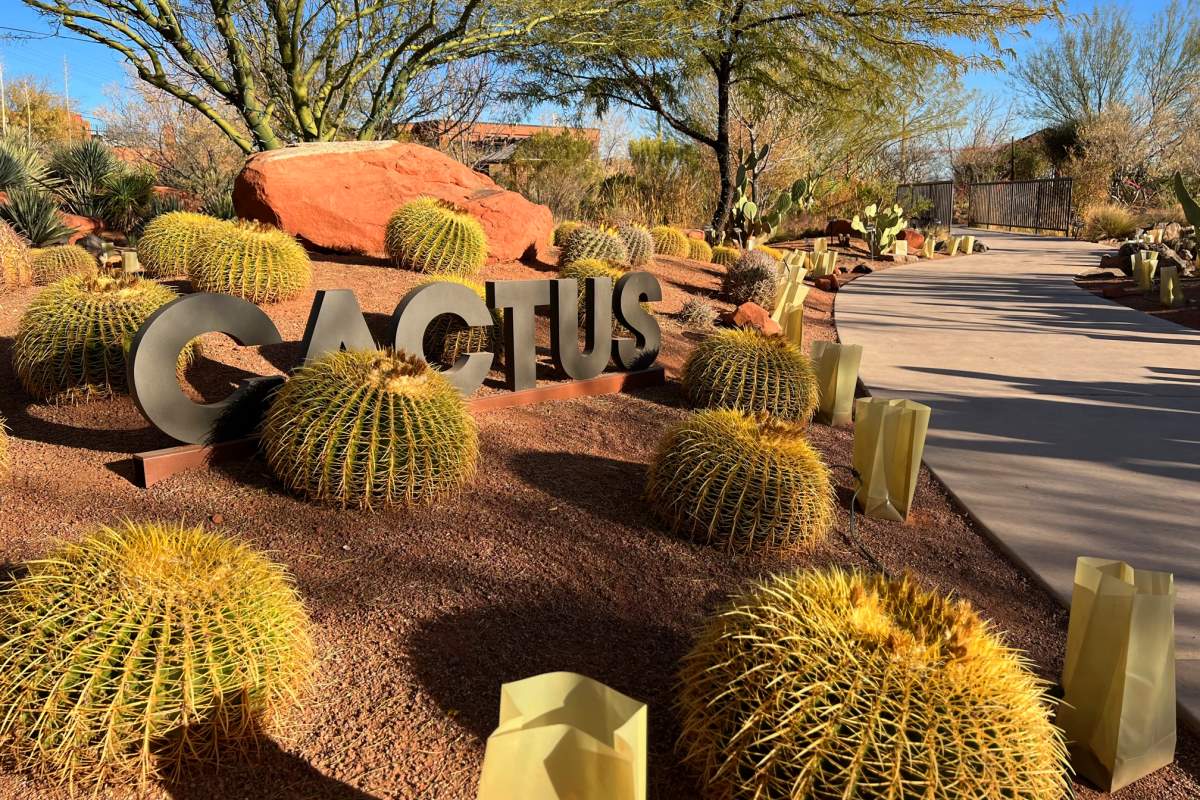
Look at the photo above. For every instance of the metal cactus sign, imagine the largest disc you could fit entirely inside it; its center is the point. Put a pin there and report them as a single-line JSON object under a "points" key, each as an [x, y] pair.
{"points": [[336, 321]]}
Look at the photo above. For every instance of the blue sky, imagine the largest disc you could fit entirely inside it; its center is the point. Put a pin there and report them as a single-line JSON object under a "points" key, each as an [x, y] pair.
{"points": [[92, 67]]}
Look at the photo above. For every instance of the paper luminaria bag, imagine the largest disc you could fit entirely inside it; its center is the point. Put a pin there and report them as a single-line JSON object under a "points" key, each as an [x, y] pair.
{"points": [[1170, 292], [564, 736], [836, 366], [1118, 710], [889, 438]]}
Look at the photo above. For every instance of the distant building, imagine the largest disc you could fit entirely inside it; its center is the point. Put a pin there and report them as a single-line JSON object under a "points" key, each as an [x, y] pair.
{"points": [[489, 142]]}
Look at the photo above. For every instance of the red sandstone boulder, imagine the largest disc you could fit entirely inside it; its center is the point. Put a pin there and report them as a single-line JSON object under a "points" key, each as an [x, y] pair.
{"points": [[338, 196], [841, 229], [82, 225], [752, 315], [914, 238]]}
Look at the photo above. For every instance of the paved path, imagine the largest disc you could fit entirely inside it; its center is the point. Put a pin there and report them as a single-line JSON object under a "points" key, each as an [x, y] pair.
{"points": [[1067, 424]]}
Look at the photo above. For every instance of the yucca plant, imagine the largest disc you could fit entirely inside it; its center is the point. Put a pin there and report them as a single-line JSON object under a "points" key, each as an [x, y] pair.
{"points": [[754, 278], [698, 250], [220, 205], [171, 240], [433, 236], [255, 262], [746, 484], [127, 197], [639, 244], [563, 231], [16, 264], [725, 256], [83, 169], [745, 370], [593, 242], [828, 684], [669, 241], [447, 337], [35, 215], [370, 428], [144, 647], [58, 261], [70, 343], [21, 166]]}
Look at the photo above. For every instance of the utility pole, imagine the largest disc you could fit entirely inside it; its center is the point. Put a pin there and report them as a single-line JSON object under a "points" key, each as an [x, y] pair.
{"points": [[3, 104], [67, 98]]}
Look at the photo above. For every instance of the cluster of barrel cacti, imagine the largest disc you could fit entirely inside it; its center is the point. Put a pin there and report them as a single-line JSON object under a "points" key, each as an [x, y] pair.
{"points": [[669, 241], [71, 342], [255, 262], [16, 265], [447, 337], [753, 278], [598, 242], [747, 371], [828, 684], [436, 237], [143, 648], [170, 242], [744, 483], [370, 429], [639, 244], [58, 261]]}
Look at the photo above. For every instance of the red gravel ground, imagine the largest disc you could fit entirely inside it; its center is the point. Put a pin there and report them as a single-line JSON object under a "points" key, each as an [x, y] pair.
{"points": [[548, 561], [1187, 315]]}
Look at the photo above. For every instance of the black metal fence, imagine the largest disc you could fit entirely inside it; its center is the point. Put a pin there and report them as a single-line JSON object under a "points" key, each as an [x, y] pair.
{"points": [[1040, 205], [940, 197]]}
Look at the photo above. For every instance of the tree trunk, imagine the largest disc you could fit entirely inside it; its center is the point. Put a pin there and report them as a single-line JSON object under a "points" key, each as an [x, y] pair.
{"points": [[725, 166]]}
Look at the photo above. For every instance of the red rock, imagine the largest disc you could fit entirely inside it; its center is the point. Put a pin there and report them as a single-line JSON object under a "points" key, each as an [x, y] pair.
{"points": [[752, 315], [338, 196], [694, 233], [914, 238], [827, 283], [839, 228], [82, 225]]}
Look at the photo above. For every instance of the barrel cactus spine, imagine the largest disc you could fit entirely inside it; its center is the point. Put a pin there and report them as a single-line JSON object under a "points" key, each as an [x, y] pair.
{"points": [[171, 240], [745, 370], [447, 338], [669, 241], [698, 250], [58, 261], [638, 243], [435, 237], [594, 242], [754, 278], [563, 231], [255, 262], [725, 256], [16, 265]]}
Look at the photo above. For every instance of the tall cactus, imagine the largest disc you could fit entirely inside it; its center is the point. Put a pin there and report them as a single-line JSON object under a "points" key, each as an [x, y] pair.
{"points": [[1191, 209], [753, 219], [879, 227]]}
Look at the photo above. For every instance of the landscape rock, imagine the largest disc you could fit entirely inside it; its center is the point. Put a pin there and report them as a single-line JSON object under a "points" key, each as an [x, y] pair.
{"points": [[914, 238], [841, 229], [862, 269], [1097, 274], [338, 196], [84, 226], [979, 247], [827, 283], [752, 315], [1121, 263]]}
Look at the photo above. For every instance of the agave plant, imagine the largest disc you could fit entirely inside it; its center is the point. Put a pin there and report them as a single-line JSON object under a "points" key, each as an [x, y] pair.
{"points": [[84, 169], [127, 197], [21, 166], [34, 214], [220, 205]]}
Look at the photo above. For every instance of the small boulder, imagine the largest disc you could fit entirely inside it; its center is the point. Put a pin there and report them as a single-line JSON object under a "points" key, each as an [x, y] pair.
{"points": [[841, 229], [752, 315], [862, 269], [84, 226], [1097, 274], [914, 238], [827, 283]]}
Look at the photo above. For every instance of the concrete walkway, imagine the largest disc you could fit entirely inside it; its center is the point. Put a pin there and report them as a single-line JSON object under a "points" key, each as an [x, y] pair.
{"points": [[1067, 424]]}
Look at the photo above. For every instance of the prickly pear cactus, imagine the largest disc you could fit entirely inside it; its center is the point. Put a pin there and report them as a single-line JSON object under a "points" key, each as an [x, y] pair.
{"points": [[433, 236], [1191, 209], [828, 684], [58, 261], [747, 371], [879, 227]]}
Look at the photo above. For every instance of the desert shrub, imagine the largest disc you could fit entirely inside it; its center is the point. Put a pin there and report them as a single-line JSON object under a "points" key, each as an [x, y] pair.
{"points": [[747, 371], [1109, 221], [70, 343], [144, 647], [127, 198], [698, 314], [447, 337], [21, 166], [740, 482], [555, 169], [753, 278], [926, 700], [669, 241], [163, 203], [170, 240], [563, 231], [58, 261], [638, 243], [429, 235], [251, 261], [773, 252], [594, 242], [368, 428], [699, 250], [725, 256], [35, 215], [16, 264]]}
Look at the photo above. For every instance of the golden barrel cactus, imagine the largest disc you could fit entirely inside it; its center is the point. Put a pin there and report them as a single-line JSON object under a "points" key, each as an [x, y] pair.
{"points": [[433, 236], [588, 242], [16, 264], [827, 684], [54, 263], [447, 337], [669, 241], [745, 370], [143, 647], [172, 239], [252, 261], [725, 256], [70, 343], [742, 483], [586, 268], [370, 428], [639, 244], [563, 231], [698, 250]]}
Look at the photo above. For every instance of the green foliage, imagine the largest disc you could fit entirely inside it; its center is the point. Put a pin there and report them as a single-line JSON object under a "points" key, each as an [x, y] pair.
{"points": [[16, 263], [220, 205], [927, 700], [34, 214], [1191, 209], [447, 337], [594, 242], [725, 256], [142, 648], [558, 170], [879, 227], [432, 236], [82, 169], [745, 484], [1108, 221], [366, 428], [671, 180], [251, 261], [639, 244], [58, 261], [70, 343], [753, 278], [563, 231], [699, 250], [744, 370], [669, 241], [751, 218], [127, 199], [171, 240], [21, 166]]}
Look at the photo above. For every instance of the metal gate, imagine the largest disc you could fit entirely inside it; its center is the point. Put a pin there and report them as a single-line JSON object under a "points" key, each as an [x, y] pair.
{"points": [[940, 195], [1040, 205]]}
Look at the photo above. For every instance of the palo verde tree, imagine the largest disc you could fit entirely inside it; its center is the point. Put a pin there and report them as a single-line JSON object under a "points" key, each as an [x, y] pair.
{"points": [[808, 51], [267, 72]]}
